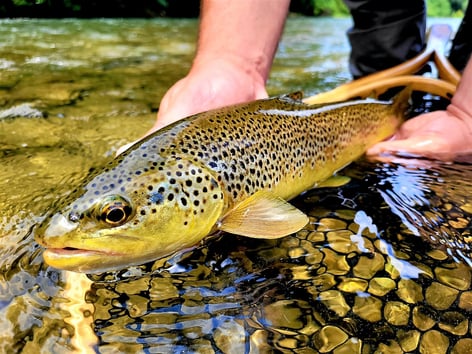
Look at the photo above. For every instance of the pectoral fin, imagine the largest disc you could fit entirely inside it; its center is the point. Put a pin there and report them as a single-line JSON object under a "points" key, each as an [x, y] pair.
{"points": [[263, 215]]}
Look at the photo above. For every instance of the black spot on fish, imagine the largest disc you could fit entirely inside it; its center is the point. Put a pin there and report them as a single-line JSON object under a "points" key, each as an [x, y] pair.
{"points": [[74, 217]]}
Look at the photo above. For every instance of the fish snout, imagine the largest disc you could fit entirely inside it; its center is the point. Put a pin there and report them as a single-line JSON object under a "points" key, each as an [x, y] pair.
{"points": [[56, 226]]}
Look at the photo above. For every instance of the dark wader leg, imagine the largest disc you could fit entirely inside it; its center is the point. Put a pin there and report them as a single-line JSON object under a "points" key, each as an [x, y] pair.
{"points": [[385, 33], [462, 43]]}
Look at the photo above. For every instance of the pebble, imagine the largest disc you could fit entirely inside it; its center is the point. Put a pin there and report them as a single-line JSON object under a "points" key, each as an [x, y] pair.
{"points": [[408, 340], [316, 237], [334, 300], [321, 283], [438, 255], [440, 296], [421, 318], [353, 285], [465, 301], [336, 263], [458, 277], [381, 286], [462, 346], [286, 314], [454, 323], [368, 266], [397, 313], [340, 241], [330, 224], [351, 346], [409, 291], [434, 342], [329, 338], [391, 348], [368, 308]]}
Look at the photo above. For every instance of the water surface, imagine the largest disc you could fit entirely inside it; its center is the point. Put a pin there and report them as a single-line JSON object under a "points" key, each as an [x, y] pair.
{"points": [[374, 271]]}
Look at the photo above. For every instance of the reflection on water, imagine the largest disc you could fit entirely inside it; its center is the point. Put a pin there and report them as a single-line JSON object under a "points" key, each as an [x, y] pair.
{"points": [[439, 213], [383, 265]]}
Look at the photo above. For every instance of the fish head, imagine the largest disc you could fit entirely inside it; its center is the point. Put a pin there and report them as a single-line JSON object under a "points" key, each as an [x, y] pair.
{"points": [[130, 214]]}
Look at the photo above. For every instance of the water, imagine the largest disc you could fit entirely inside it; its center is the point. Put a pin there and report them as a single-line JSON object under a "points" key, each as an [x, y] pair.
{"points": [[373, 271]]}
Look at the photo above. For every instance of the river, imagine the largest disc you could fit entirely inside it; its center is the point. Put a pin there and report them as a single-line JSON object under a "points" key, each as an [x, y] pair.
{"points": [[373, 272]]}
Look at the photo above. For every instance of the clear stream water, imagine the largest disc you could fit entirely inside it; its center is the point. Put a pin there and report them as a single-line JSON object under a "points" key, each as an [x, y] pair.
{"points": [[376, 270]]}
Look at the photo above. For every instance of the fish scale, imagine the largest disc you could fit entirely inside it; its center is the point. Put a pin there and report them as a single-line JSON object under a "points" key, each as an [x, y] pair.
{"points": [[230, 169]]}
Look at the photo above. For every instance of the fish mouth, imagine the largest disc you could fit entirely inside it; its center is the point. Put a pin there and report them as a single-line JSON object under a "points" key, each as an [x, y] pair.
{"points": [[81, 260], [71, 251]]}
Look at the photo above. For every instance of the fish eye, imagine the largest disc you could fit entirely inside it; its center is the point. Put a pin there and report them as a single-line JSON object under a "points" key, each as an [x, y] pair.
{"points": [[115, 211]]}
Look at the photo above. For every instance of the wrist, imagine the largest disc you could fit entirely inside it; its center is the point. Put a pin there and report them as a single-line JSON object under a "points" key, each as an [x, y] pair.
{"points": [[242, 68], [464, 116]]}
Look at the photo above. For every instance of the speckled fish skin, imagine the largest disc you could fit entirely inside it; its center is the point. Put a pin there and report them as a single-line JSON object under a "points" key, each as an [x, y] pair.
{"points": [[173, 188]]}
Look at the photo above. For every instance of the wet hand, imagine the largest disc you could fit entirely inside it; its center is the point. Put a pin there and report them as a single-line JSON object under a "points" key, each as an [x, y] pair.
{"points": [[443, 135], [208, 86]]}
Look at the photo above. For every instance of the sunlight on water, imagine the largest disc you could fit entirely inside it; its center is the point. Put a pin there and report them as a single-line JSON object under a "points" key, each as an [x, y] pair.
{"points": [[383, 265]]}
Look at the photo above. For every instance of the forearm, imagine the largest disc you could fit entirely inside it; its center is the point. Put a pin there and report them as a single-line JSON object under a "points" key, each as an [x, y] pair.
{"points": [[242, 31]]}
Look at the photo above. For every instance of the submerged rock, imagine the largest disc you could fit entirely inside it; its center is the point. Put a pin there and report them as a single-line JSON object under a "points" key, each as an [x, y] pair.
{"points": [[21, 110]]}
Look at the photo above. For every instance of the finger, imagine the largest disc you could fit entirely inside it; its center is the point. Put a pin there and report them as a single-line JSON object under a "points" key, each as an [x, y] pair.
{"points": [[412, 145], [430, 146]]}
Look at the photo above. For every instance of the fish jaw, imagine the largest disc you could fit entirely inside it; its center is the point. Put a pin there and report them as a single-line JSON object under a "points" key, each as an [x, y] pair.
{"points": [[67, 248], [75, 252], [78, 260]]}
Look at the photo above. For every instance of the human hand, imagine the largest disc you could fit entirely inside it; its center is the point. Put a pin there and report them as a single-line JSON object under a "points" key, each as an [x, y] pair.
{"points": [[209, 85], [444, 135]]}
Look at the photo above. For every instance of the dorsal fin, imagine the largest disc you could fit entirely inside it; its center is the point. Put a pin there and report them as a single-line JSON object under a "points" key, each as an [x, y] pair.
{"points": [[295, 96]]}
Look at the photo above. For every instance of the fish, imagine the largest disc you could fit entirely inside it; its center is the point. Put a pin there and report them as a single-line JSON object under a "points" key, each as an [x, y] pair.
{"points": [[232, 170]]}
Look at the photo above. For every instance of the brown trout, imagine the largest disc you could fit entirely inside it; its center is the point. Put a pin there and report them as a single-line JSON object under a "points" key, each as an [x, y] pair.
{"points": [[230, 169]]}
